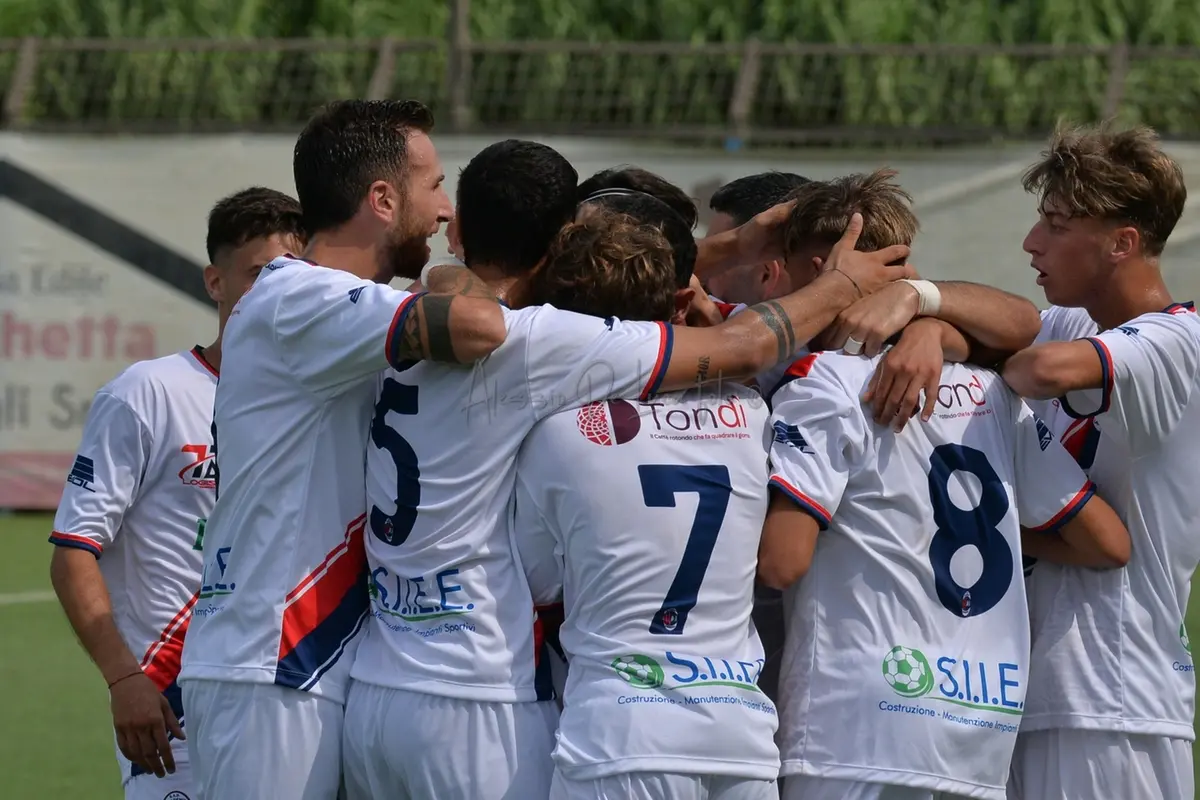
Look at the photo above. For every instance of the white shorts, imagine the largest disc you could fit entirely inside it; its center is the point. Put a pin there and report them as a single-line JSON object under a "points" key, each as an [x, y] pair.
{"points": [[176, 786], [809, 787], [263, 741], [1066, 764], [403, 745], [662, 786]]}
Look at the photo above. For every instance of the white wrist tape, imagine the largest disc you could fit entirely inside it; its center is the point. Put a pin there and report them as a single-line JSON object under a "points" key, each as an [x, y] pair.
{"points": [[929, 297]]}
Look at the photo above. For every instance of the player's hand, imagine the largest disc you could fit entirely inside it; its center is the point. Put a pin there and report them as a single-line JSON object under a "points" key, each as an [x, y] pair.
{"points": [[912, 365], [761, 239], [869, 272], [142, 718], [702, 312], [867, 325]]}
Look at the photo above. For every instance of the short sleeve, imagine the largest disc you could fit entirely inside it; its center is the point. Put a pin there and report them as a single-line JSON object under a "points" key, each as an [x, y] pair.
{"points": [[819, 431], [1150, 367], [1050, 487], [537, 545], [336, 330], [574, 359], [105, 478]]}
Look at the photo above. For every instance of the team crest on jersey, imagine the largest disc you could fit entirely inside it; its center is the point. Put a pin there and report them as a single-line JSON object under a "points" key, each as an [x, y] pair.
{"points": [[176, 795], [609, 422], [201, 471]]}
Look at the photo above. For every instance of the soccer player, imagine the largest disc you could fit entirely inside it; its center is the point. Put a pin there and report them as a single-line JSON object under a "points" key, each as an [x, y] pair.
{"points": [[907, 656], [636, 179], [128, 530], [1117, 374], [283, 591], [645, 517], [734, 204], [451, 638]]}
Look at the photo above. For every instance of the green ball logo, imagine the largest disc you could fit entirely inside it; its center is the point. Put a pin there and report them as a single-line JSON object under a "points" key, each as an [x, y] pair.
{"points": [[1184, 640], [907, 671], [639, 671]]}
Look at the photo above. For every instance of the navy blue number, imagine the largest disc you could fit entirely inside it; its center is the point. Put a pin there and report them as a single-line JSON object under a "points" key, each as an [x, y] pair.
{"points": [[660, 484], [957, 529], [393, 529], [216, 466]]}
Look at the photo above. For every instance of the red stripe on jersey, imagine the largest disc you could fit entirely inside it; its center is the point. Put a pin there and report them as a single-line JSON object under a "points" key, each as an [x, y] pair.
{"points": [[198, 354], [724, 309], [162, 659], [75, 540], [801, 366], [322, 590], [801, 499], [1069, 510]]}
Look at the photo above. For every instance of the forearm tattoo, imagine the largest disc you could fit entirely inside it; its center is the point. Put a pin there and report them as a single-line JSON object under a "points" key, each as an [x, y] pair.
{"points": [[773, 316]]}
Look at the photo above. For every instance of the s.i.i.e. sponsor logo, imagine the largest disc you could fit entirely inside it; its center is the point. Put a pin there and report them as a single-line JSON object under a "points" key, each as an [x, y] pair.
{"points": [[973, 685], [1186, 644], [401, 603], [684, 672]]}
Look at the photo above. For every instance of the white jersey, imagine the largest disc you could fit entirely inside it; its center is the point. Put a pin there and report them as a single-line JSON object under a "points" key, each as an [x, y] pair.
{"points": [[451, 612], [142, 483], [284, 585], [1109, 647], [646, 517], [912, 621]]}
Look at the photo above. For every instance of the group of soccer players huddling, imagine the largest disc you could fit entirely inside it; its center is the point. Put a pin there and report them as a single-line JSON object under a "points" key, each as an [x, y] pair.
{"points": [[556, 522]]}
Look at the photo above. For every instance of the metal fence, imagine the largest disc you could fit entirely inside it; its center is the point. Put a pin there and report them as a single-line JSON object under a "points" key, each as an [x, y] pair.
{"points": [[750, 92]]}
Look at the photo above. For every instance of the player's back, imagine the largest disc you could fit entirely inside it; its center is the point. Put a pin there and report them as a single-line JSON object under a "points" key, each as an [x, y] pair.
{"points": [[912, 620], [283, 591], [451, 613], [656, 509], [1126, 664]]}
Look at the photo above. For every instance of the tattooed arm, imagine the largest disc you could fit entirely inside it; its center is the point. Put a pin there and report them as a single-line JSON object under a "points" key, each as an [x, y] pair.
{"points": [[451, 327]]}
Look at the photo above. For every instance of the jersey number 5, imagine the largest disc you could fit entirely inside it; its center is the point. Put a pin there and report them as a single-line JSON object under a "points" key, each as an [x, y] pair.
{"points": [[394, 529], [660, 484], [957, 528]]}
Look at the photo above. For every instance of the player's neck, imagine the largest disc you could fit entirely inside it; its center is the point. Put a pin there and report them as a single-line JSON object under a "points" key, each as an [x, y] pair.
{"points": [[335, 251], [1134, 289], [500, 283]]}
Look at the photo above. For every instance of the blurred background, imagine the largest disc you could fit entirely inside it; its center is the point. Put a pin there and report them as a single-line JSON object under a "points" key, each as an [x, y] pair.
{"points": [[123, 121]]}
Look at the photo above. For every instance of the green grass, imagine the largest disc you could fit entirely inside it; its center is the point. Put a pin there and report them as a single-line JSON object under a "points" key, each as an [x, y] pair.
{"points": [[56, 739]]}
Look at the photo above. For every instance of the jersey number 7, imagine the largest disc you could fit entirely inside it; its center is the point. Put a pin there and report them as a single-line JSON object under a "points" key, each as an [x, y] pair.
{"points": [[660, 484]]}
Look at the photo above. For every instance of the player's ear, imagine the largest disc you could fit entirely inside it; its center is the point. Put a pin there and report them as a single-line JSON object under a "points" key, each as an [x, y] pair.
{"points": [[383, 201], [683, 302], [818, 263], [214, 284], [1125, 241]]}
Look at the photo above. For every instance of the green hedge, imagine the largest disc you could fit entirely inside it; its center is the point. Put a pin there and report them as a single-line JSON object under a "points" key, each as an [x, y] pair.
{"points": [[892, 95]]}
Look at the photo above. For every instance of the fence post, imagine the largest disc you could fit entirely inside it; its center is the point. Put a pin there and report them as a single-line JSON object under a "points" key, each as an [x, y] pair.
{"points": [[458, 65], [1118, 71], [745, 88], [20, 83], [385, 70]]}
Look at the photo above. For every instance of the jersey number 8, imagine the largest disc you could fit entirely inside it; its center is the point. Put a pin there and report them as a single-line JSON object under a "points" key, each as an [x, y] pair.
{"points": [[957, 528]]}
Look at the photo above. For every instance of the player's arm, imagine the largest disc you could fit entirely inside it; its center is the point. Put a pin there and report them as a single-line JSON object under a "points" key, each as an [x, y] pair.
{"points": [[337, 330], [1144, 371], [102, 485], [818, 437], [1095, 537], [1062, 519], [995, 322], [768, 333]]}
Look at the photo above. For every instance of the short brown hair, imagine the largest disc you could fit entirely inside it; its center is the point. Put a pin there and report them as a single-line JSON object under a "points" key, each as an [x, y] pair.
{"points": [[823, 210], [606, 264], [1121, 176]]}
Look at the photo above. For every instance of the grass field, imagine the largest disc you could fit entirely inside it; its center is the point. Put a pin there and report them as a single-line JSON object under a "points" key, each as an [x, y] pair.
{"points": [[55, 739]]}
